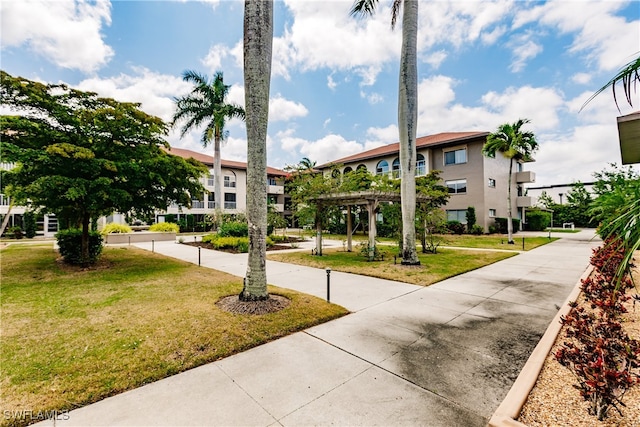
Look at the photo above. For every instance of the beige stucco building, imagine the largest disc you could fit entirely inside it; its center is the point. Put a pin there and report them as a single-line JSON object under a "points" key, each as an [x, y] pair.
{"points": [[473, 179], [234, 187]]}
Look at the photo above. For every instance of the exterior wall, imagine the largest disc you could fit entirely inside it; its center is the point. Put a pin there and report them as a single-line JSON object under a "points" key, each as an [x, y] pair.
{"points": [[477, 170], [557, 192]]}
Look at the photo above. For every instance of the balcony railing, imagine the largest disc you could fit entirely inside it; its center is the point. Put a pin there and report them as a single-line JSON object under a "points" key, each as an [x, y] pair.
{"points": [[230, 184], [229, 205], [211, 205], [197, 204], [4, 200], [525, 176]]}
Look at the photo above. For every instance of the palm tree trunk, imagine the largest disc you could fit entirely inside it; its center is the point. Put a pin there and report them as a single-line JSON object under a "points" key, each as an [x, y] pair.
{"points": [[407, 120], [509, 210], [217, 179], [258, 41]]}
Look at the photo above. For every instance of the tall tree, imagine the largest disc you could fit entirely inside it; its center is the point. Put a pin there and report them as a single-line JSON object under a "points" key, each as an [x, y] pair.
{"points": [[258, 42], [206, 105], [81, 156], [516, 145], [407, 115]]}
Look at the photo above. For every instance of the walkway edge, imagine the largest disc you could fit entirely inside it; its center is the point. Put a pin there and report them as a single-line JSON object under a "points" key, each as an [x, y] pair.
{"points": [[509, 409]]}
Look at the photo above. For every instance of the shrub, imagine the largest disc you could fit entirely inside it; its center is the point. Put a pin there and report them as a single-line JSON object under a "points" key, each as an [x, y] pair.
{"points": [[165, 227], [477, 229], [471, 218], [538, 220], [115, 228], [30, 225], [493, 229], [456, 227], [276, 238], [233, 229], [501, 225], [16, 232], [241, 244], [70, 244]]}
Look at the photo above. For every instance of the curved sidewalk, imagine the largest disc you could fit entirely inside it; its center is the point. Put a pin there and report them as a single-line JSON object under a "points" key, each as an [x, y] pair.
{"points": [[444, 355]]}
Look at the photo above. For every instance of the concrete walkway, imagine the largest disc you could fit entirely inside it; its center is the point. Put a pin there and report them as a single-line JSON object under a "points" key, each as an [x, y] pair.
{"points": [[445, 355]]}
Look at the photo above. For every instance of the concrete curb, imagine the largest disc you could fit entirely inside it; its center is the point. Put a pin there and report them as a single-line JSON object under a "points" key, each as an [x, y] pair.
{"points": [[509, 409]]}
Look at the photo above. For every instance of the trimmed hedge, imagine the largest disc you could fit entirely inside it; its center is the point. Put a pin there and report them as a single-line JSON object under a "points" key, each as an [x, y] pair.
{"points": [[233, 229], [240, 244], [165, 227], [538, 220], [115, 228], [70, 246], [501, 225]]}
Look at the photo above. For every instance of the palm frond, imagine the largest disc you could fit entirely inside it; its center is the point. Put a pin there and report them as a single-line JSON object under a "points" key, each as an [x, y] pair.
{"points": [[363, 7], [629, 75], [395, 12]]}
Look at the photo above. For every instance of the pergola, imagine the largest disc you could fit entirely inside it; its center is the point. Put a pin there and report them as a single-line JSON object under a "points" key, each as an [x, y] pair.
{"points": [[369, 198]]}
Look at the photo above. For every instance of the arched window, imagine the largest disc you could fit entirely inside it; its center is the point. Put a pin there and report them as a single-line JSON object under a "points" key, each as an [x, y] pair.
{"points": [[360, 167], [230, 179], [382, 167], [347, 170], [335, 173], [421, 165], [395, 168]]}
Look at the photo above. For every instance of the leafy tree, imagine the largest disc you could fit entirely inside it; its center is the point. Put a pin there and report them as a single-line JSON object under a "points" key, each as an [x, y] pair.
{"points": [[545, 200], [514, 144], [206, 105], [407, 114], [258, 42], [81, 156]]}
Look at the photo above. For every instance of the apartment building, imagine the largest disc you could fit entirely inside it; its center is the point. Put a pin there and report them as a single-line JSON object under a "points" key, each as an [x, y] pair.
{"points": [[473, 179], [234, 188]]}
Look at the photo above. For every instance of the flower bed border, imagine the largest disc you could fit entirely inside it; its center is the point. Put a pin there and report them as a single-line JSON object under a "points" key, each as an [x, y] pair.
{"points": [[509, 409]]}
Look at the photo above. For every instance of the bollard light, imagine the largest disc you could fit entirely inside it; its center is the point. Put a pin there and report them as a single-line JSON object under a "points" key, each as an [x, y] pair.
{"points": [[199, 248], [328, 284], [153, 245]]}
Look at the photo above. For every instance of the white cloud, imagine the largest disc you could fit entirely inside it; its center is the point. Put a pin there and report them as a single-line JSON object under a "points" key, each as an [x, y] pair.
{"points": [[325, 149], [581, 78], [213, 60], [523, 49], [377, 137], [331, 84], [154, 91], [435, 59], [373, 97], [281, 109], [66, 33], [608, 39]]}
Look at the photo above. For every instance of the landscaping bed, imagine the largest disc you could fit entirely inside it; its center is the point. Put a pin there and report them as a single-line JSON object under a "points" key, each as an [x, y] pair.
{"points": [[554, 401]]}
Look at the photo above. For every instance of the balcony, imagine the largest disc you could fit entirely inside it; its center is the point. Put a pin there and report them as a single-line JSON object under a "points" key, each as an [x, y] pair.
{"points": [[229, 205], [275, 189], [525, 176], [525, 201], [211, 205], [197, 204]]}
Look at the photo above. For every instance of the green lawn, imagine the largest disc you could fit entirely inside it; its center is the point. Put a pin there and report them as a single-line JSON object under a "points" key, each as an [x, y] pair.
{"points": [[434, 268], [72, 337]]}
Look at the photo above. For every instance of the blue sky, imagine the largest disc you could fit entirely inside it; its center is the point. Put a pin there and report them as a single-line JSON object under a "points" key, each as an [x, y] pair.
{"points": [[334, 78]]}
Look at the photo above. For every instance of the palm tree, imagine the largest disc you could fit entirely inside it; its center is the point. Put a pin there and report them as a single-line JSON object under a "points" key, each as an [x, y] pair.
{"points": [[407, 115], [258, 42], [629, 76], [206, 105], [514, 144]]}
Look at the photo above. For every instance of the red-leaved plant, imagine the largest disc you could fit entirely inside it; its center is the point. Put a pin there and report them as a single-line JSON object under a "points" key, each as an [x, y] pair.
{"points": [[603, 357]]}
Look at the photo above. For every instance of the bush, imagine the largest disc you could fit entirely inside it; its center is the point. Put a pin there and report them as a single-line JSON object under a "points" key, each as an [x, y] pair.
{"points": [[538, 220], [30, 225], [501, 225], [16, 232], [471, 218], [115, 228], [165, 227], [477, 229], [276, 238], [456, 227], [233, 229], [70, 244], [241, 244], [493, 229]]}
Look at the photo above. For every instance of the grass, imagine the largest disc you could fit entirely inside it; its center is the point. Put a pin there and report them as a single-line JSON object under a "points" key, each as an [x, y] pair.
{"points": [[564, 230], [434, 268], [72, 337]]}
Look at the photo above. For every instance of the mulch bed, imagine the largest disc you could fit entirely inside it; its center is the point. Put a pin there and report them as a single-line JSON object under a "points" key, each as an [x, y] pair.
{"points": [[232, 304]]}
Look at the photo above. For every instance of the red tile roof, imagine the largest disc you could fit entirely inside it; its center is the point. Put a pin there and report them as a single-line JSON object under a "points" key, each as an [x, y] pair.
{"points": [[445, 138], [208, 160]]}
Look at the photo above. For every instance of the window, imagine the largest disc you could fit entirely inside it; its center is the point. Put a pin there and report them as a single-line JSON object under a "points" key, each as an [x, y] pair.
{"points": [[457, 186], [211, 201], [271, 181], [210, 181], [492, 183], [347, 170], [459, 215], [229, 200], [455, 157], [395, 168], [360, 167], [230, 181], [421, 166], [335, 173], [382, 168], [492, 213]]}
